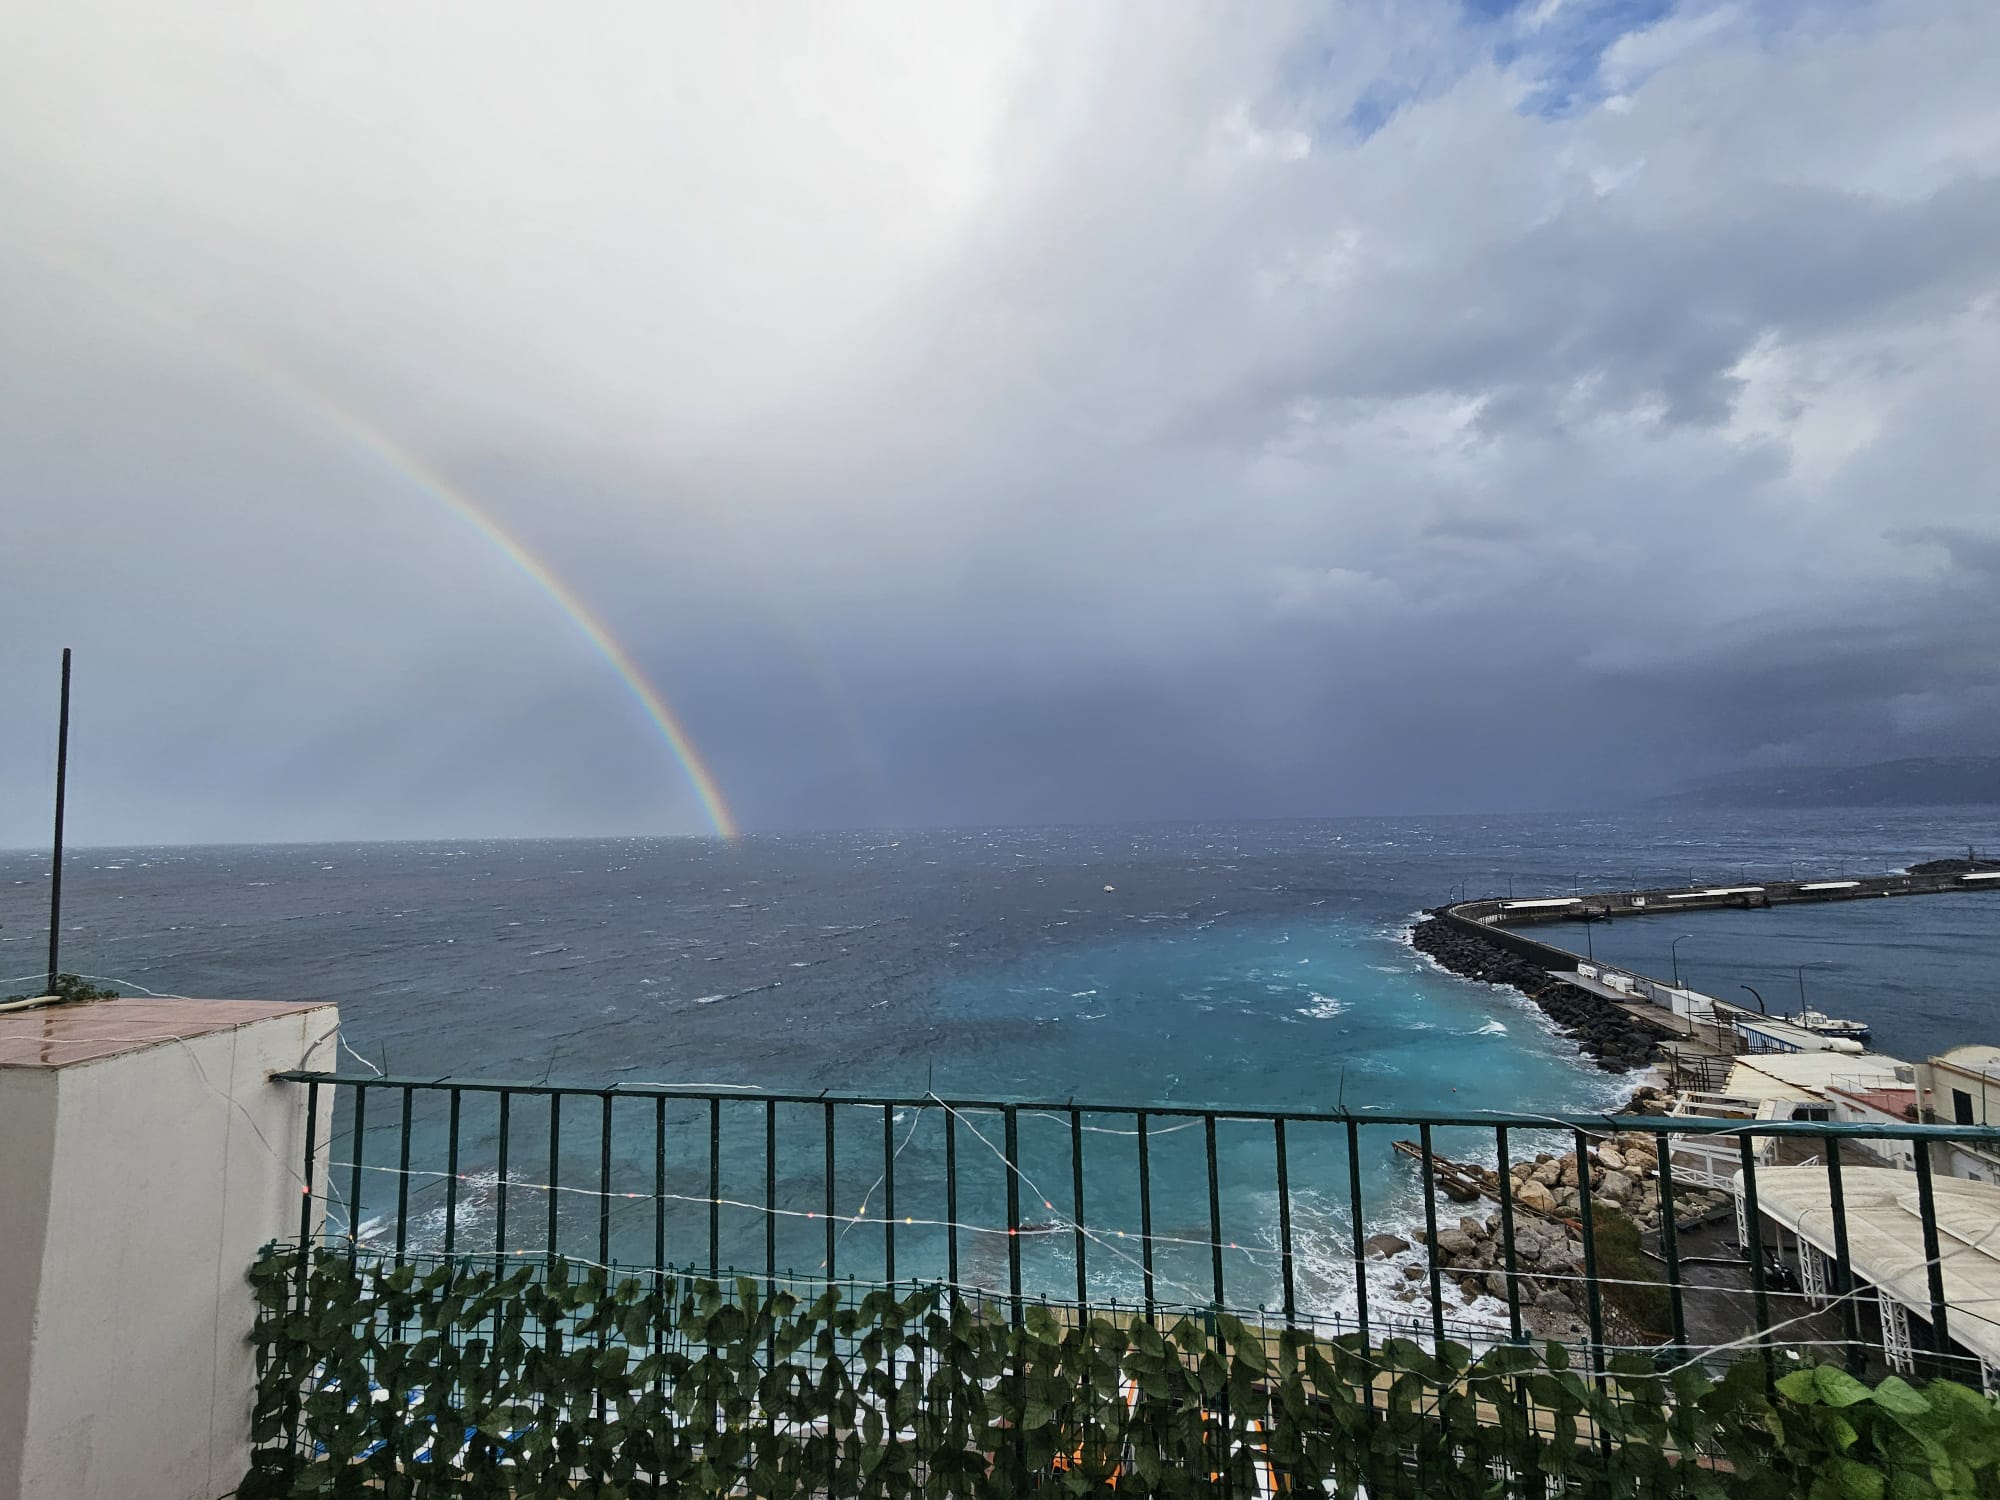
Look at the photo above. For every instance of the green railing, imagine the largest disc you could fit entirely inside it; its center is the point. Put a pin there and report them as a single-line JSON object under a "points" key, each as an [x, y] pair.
{"points": [[1009, 1214]]}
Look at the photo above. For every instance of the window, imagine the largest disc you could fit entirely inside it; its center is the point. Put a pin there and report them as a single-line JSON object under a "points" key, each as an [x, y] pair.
{"points": [[1961, 1108]]}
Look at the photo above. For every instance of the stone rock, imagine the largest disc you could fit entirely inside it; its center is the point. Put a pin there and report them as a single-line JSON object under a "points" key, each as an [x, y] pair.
{"points": [[1382, 1246], [1567, 1175], [1611, 1158], [1548, 1172], [1641, 1161], [1455, 1243], [1472, 1228], [1616, 1187], [1535, 1194], [1555, 1302], [1471, 1290], [1413, 1273]]}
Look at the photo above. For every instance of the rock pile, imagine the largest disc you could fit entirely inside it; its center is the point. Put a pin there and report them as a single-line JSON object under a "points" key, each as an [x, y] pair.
{"points": [[1548, 1232], [1617, 1040]]}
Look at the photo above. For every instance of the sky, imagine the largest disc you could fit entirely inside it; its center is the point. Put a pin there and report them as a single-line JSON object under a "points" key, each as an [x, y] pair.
{"points": [[1022, 413]]}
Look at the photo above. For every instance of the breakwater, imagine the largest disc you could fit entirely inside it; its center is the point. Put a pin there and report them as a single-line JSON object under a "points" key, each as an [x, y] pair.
{"points": [[1615, 1040], [1478, 939], [1937, 877]]}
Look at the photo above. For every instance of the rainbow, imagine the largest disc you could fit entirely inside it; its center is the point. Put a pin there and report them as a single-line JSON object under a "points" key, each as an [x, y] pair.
{"points": [[418, 471], [412, 467]]}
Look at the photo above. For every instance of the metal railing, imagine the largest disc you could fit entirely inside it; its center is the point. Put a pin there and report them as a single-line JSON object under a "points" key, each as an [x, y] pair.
{"points": [[1266, 1212]]}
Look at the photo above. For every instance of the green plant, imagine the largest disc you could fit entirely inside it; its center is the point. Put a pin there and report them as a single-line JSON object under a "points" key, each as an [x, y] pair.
{"points": [[1630, 1281], [69, 987], [552, 1379]]}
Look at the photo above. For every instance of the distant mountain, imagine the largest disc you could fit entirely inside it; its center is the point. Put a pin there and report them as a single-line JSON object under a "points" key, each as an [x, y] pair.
{"points": [[1966, 780]]}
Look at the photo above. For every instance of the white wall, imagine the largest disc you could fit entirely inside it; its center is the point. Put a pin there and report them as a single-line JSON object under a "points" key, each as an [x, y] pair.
{"points": [[167, 1169]]}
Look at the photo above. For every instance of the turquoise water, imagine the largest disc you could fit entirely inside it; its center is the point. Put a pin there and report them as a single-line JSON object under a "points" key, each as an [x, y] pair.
{"points": [[1245, 964]]}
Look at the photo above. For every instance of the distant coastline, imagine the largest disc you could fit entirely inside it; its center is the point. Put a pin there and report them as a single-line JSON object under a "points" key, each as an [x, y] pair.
{"points": [[1923, 781]]}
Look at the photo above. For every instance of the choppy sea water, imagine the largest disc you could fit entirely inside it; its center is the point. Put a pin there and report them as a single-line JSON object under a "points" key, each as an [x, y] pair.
{"points": [[1252, 965]]}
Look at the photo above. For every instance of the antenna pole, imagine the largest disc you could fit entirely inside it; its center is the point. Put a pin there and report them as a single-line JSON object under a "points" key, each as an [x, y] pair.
{"points": [[55, 870]]}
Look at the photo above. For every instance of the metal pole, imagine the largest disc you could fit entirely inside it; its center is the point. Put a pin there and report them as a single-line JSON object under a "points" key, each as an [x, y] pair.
{"points": [[55, 871], [1674, 952]]}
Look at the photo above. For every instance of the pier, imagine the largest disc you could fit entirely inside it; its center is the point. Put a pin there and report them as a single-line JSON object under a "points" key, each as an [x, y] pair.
{"points": [[1705, 1033]]}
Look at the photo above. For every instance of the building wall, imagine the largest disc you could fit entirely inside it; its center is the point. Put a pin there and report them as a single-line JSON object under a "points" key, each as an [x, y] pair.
{"points": [[27, 1155], [167, 1169]]}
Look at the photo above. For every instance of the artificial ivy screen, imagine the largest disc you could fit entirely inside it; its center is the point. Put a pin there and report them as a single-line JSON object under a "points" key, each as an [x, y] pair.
{"points": [[551, 1379]]}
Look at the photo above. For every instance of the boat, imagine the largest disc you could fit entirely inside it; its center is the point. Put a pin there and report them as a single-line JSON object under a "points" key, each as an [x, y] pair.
{"points": [[1819, 1023]]}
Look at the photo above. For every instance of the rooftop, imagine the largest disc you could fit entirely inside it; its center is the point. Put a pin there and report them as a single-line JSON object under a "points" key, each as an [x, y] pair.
{"points": [[61, 1036], [1885, 1235], [1978, 1057], [1806, 1075]]}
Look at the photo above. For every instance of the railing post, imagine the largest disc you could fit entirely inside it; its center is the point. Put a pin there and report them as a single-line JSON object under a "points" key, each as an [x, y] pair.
{"points": [[889, 1193], [832, 1239], [951, 1197], [1214, 1207], [1145, 1214], [403, 1178], [715, 1185], [555, 1174], [1943, 1361], [1285, 1222], [1076, 1199], [1431, 1235], [1753, 1229], [501, 1169], [1359, 1231], [1843, 1267], [604, 1185], [1513, 1272], [1012, 1117], [451, 1179], [354, 1179], [1670, 1242]]}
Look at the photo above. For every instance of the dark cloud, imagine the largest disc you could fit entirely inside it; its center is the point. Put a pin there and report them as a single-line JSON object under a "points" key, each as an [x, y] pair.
{"points": [[1005, 415]]}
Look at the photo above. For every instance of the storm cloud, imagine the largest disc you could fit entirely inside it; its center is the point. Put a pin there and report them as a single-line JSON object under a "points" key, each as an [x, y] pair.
{"points": [[1007, 414]]}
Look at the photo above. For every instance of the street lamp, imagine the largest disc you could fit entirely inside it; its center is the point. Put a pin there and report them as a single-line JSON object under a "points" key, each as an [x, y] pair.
{"points": [[1760, 999], [1802, 988], [1674, 952]]}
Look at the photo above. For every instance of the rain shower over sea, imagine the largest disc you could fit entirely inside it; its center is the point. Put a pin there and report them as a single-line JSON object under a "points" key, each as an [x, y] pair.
{"points": [[1256, 965]]}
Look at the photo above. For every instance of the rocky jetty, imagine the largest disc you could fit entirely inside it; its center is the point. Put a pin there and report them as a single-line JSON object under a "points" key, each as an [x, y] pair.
{"points": [[1614, 1038], [1548, 1237]]}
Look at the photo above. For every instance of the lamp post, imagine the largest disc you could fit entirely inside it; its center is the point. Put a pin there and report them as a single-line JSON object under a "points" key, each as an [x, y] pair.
{"points": [[1802, 989], [1674, 952], [1760, 999]]}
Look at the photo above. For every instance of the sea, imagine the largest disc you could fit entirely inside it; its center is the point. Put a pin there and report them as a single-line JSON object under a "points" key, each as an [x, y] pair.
{"points": [[1257, 964]]}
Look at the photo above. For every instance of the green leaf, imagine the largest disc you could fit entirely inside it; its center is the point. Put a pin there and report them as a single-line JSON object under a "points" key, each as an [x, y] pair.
{"points": [[1856, 1481], [1799, 1386], [1897, 1395], [1836, 1386]]}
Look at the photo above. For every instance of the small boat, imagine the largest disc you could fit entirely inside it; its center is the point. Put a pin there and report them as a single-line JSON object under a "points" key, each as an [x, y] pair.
{"points": [[1821, 1024]]}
